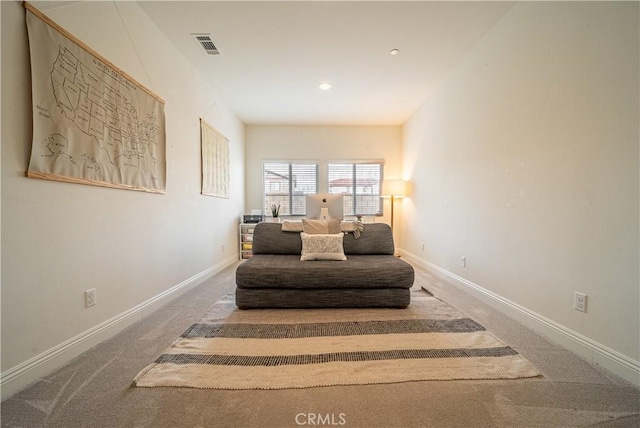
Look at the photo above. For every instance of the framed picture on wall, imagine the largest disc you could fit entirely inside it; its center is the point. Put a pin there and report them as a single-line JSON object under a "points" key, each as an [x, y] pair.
{"points": [[215, 161]]}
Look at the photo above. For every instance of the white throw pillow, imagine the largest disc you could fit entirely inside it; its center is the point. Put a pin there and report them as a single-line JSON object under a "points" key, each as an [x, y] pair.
{"points": [[322, 246]]}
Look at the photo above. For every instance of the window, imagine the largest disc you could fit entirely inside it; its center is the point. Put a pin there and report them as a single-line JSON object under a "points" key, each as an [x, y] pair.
{"points": [[287, 184], [360, 183]]}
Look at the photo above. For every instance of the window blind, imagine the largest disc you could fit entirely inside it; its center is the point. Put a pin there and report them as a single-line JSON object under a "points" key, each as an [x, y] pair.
{"points": [[286, 184], [360, 183]]}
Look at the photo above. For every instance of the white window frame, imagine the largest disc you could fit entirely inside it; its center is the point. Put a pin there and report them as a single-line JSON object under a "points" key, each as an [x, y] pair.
{"points": [[287, 203], [351, 206]]}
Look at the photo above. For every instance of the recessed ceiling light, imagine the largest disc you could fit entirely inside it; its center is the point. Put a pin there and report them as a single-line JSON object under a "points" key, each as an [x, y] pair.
{"points": [[324, 86], [394, 51]]}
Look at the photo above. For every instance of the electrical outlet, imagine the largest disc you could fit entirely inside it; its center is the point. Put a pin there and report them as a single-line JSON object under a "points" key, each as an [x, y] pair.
{"points": [[90, 298], [463, 262], [223, 248], [580, 302], [422, 245]]}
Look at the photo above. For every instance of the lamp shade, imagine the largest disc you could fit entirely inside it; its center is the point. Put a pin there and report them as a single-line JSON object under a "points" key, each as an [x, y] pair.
{"points": [[394, 187]]}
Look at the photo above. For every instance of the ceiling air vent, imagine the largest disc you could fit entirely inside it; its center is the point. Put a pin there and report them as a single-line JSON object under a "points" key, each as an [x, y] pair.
{"points": [[207, 44]]}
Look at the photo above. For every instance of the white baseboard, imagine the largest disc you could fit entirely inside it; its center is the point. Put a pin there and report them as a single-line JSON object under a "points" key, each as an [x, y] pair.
{"points": [[588, 349], [22, 375]]}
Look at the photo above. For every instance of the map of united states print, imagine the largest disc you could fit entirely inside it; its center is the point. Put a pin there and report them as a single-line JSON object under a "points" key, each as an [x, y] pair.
{"points": [[93, 124], [101, 109]]}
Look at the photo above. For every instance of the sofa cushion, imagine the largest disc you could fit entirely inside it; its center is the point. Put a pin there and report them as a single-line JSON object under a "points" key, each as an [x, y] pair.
{"points": [[268, 238], [322, 247], [376, 238], [357, 272], [248, 298]]}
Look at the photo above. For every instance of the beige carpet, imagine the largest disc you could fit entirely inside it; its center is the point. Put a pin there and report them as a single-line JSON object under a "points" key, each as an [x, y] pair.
{"points": [[281, 349]]}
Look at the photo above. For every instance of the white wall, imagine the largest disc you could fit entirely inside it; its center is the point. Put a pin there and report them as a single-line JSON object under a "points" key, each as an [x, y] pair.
{"points": [[60, 239], [526, 162], [322, 144]]}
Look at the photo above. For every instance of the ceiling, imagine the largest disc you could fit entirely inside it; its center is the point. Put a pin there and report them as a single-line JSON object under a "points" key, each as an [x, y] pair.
{"points": [[273, 55]]}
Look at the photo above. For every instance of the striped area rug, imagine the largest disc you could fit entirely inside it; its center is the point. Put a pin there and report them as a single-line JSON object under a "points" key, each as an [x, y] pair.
{"points": [[280, 349]]}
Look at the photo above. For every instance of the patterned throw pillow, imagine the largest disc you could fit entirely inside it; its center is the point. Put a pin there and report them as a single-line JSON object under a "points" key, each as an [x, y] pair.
{"points": [[322, 246]]}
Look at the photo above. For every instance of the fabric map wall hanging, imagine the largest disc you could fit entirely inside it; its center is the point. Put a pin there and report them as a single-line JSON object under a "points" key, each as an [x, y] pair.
{"points": [[215, 161], [92, 123]]}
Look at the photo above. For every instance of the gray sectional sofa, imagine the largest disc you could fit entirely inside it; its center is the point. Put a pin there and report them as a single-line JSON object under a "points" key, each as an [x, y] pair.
{"points": [[275, 277]]}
